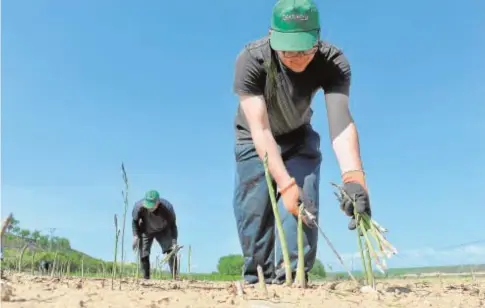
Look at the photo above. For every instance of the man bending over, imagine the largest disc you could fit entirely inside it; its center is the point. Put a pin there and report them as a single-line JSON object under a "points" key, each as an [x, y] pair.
{"points": [[154, 218]]}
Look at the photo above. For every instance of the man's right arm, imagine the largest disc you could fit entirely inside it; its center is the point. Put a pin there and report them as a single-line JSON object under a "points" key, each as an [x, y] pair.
{"points": [[135, 222], [254, 108], [249, 85]]}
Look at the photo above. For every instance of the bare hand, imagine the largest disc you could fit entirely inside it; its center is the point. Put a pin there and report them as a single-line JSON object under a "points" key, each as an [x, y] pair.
{"points": [[135, 242], [293, 196]]}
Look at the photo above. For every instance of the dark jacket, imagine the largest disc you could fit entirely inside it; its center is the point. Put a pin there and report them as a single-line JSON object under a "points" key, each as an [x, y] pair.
{"points": [[162, 219]]}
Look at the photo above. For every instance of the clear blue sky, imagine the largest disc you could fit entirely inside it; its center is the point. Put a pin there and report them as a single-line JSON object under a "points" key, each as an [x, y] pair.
{"points": [[89, 84]]}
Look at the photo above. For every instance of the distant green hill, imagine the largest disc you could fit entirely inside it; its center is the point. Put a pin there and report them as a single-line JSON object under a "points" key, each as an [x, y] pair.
{"points": [[399, 272], [38, 246], [453, 269], [35, 250]]}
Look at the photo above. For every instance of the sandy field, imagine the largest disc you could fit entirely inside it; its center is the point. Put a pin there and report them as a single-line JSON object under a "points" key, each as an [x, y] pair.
{"points": [[26, 291]]}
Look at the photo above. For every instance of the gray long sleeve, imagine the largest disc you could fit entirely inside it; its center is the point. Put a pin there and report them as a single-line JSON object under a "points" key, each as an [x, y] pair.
{"points": [[337, 90], [338, 113]]}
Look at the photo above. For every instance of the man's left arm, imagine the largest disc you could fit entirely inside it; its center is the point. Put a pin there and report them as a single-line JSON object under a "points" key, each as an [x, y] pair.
{"points": [[172, 219], [343, 131], [345, 140]]}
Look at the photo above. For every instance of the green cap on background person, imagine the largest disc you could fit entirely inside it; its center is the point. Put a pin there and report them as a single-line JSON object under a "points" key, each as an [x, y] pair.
{"points": [[151, 199], [295, 25]]}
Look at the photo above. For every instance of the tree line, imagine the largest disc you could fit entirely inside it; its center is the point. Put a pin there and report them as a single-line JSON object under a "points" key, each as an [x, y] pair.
{"points": [[232, 265], [35, 237]]}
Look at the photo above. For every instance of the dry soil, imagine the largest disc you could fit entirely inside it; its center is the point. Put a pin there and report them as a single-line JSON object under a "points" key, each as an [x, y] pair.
{"points": [[20, 290]]}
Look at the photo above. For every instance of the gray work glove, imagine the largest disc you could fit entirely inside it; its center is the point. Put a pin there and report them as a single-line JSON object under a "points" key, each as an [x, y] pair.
{"points": [[359, 197]]}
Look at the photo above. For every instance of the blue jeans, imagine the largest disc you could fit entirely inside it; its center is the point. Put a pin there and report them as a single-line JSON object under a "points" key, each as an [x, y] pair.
{"points": [[255, 221]]}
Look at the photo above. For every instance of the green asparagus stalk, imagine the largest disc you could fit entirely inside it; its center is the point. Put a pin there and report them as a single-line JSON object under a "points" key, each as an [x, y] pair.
{"points": [[368, 265], [174, 252], [189, 259], [137, 275], [300, 274], [124, 194], [279, 226], [361, 250], [369, 231], [117, 234]]}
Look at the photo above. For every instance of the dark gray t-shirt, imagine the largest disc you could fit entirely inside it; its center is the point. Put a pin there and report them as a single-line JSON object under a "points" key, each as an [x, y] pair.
{"points": [[288, 95]]}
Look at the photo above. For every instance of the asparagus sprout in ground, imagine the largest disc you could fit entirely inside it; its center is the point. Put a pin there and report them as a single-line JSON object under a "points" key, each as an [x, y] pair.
{"points": [[124, 194], [300, 273], [262, 283], [189, 259], [279, 226], [368, 233], [117, 234]]}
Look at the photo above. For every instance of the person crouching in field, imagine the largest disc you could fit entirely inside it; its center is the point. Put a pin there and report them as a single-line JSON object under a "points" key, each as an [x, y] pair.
{"points": [[276, 78], [44, 266], [154, 218]]}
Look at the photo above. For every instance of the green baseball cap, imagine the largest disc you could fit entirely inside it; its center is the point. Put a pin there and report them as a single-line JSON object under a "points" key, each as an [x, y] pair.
{"points": [[151, 199], [295, 25]]}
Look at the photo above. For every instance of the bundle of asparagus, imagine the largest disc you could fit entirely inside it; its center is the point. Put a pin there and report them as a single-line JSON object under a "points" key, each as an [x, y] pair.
{"points": [[369, 231]]}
